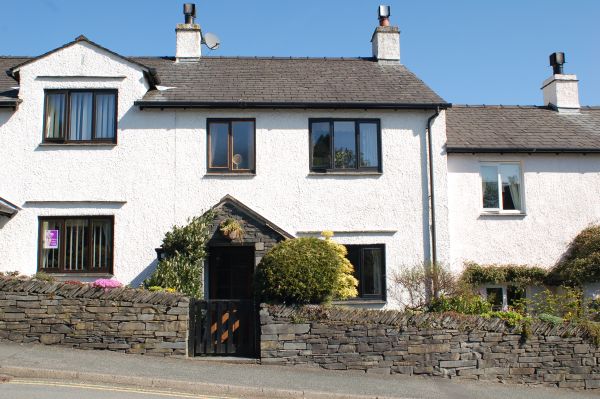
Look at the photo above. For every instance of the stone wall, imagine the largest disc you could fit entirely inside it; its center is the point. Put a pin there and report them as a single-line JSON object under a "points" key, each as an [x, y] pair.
{"points": [[81, 316], [454, 346]]}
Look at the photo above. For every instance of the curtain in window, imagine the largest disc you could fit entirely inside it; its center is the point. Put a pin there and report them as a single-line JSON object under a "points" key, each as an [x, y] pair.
{"points": [[81, 116], [219, 137], [76, 244], [372, 265], [55, 115], [105, 116], [101, 244], [369, 154], [511, 185]]}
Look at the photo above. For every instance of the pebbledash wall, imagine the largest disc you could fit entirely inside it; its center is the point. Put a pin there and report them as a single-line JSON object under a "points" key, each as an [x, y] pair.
{"points": [[467, 347], [84, 317], [560, 199]]}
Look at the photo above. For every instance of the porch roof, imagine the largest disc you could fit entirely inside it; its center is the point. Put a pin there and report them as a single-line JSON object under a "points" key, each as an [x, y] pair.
{"points": [[8, 209]]}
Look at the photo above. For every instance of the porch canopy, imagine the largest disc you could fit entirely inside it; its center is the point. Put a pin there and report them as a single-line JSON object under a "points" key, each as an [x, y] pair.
{"points": [[8, 209]]}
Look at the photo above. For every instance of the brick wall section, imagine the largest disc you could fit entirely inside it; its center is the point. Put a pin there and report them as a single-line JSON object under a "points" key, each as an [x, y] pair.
{"points": [[119, 319], [390, 342]]}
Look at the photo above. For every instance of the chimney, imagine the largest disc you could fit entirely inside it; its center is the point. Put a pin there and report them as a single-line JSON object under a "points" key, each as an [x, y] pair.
{"points": [[188, 36], [386, 39], [560, 90]]}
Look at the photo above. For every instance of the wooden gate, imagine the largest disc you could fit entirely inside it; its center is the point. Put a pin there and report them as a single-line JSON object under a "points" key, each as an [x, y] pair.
{"points": [[223, 327]]}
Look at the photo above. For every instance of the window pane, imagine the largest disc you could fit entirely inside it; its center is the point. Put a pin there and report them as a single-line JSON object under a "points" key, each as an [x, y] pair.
{"points": [[372, 271], [514, 295], [321, 145], [76, 244], [494, 296], [105, 116], [243, 145], [219, 137], [369, 154], [81, 116], [101, 244], [489, 180], [55, 115], [51, 236], [511, 186], [344, 141]]}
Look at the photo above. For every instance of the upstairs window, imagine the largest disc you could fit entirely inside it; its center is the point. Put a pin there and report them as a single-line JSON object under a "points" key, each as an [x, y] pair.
{"points": [[76, 245], [369, 270], [80, 116], [231, 145], [339, 145], [502, 188]]}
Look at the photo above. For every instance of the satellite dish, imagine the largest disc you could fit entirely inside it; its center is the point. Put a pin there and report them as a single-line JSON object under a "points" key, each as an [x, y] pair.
{"points": [[211, 40]]}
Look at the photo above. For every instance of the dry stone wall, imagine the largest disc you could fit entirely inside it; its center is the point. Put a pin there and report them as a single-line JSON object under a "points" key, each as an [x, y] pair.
{"points": [[81, 316], [453, 346]]}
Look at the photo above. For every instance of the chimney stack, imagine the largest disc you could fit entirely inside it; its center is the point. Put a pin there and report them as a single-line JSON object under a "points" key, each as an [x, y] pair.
{"points": [[560, 90], [385, 41], [188, 36]]}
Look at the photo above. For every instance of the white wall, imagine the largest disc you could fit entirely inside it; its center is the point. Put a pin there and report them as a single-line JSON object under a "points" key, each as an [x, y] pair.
{"points": [[561, 198], [156, 175]]}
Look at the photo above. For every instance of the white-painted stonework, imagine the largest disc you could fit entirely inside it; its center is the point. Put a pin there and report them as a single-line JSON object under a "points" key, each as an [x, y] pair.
{"points": [[561, 198], [155, 176]]}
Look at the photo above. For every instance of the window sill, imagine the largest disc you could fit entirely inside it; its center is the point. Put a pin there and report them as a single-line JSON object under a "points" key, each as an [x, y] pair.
{"points": [[500, 213], [230, 174], [340, 173], [359, 301], [70, 275], [86, 144]]}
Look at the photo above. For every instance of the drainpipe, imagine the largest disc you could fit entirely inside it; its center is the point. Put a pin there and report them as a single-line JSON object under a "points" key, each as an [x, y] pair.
{"points": [[432, 229]]}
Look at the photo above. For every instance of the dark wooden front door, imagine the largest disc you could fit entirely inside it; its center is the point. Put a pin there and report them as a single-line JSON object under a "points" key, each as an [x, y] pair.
{"points": [[225, 324]]}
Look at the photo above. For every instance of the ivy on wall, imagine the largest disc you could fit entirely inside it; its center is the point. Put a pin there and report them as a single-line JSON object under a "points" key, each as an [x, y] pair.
{"points": [[518, 275]]}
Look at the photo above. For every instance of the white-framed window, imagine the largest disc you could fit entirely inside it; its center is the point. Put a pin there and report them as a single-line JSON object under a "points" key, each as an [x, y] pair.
{"points": [[503, 296], [502, 187]]}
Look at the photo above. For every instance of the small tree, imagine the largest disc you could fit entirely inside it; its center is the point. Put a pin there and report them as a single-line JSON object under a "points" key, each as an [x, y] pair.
{"points": [[414, 287], [305, 270], [183, 265]]}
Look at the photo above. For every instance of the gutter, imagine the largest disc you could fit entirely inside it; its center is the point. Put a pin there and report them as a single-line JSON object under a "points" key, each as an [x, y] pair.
{"points": [[530, 150], [432, 226], [284, 105]]}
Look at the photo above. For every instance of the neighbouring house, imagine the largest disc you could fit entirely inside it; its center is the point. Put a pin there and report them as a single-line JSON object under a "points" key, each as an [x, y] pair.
{"points": [[103, 153]]}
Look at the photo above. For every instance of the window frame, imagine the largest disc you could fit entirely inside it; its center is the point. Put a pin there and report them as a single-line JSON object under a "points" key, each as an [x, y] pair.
{"points": [[229, 169], [499, 210], [358, 169], [66, 129], [62, 244], [359, 274]]}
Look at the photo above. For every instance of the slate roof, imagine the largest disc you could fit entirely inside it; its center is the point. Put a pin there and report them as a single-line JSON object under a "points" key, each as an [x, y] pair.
{"points": [[8, 95], [521, 129], [287, 82]]}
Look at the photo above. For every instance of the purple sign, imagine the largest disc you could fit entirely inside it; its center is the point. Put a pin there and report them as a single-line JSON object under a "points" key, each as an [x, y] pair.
{"points": [[51, 241]]}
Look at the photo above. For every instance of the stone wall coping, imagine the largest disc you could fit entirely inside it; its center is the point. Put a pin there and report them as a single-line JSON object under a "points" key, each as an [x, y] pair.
{"points": [[405, 320], [87, 291]]}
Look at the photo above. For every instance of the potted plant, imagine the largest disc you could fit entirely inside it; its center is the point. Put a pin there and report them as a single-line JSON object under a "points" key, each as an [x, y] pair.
{"points": [[232, 229]]}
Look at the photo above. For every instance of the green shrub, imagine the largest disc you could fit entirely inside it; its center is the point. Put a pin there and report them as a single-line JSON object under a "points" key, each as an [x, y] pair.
{"points": [[592, 329], [520, 276], [592, 309], [303, 270], [511, 318], [466, 303], [566, 304], [185, 249], [581, 263], [548, 318], [43, 276]]}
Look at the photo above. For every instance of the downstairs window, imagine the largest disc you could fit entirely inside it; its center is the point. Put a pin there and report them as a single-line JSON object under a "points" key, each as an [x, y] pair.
{"points": [[369, 270], [76, 244]]}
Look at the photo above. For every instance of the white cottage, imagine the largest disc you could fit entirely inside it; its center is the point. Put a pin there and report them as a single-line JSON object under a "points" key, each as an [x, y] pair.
{"points": [[102, 154]]}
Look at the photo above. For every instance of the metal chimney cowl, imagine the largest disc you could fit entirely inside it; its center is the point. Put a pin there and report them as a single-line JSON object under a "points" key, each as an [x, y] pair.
{"points": [[188, 36]]}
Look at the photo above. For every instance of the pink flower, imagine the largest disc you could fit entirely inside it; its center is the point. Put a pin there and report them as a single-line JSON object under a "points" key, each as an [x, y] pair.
{"points": [[106, 283]]}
